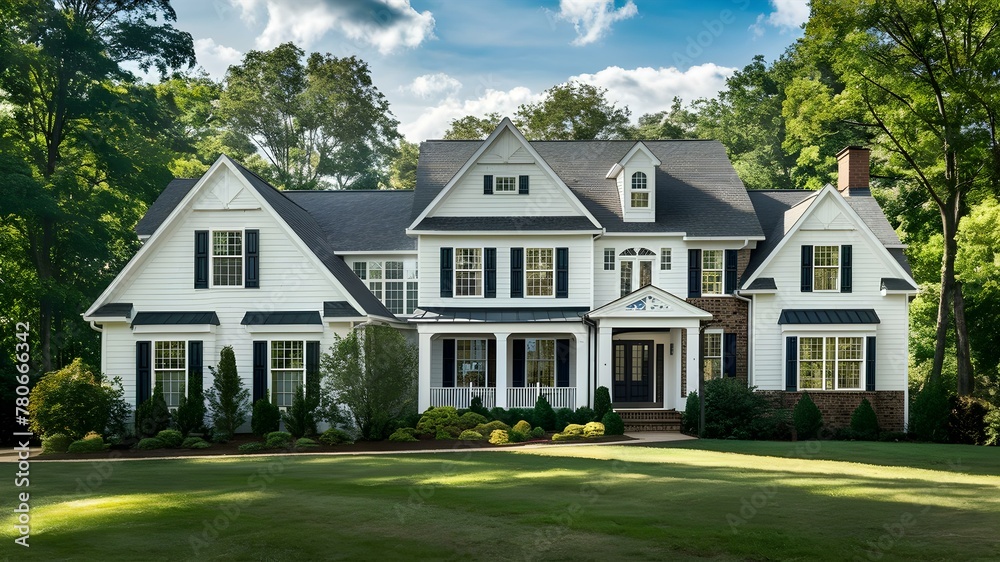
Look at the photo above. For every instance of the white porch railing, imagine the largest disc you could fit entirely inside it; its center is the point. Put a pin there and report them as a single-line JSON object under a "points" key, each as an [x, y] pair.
{"points": [[525, 397], [461, 396]]}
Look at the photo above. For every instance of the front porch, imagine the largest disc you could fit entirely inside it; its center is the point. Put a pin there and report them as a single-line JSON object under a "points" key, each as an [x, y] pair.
{"points": [[521, 397]]}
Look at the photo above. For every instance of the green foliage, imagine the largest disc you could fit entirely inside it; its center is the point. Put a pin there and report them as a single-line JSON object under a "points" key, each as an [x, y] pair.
{"points": [[864, 421], [565, 416], [403, 172], [499, 437], [434, 419], [730, 409], [190, 414], [334, 436], [602, 403], [514, 436], [573, 429], [574, 111], [545, 416], [566, 436], [171, 438], [498, 413], [300, 419], [305, 443], [195, 443], [72, 400], [967, 420], [219, 436], [253, 447], [278, 439], [470, 435], [596, 429], [56, 443], [677, 123], [470, 419], [537, 433], [775, 425], [476, 407], [583, 414], [489, 428], [266, 417], [403, 434], [471, 127], [373, 373], [692, 413], [149, 443], [522, 426], [448, 432], [613, 424], [89, 444], [929, 413], [153, 415], [992, 422], [228, 399], [807, 418]]}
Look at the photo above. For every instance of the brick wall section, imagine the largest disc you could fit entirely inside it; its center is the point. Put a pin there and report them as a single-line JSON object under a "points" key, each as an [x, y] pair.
{"points": [[837, 407], [730, 315]]}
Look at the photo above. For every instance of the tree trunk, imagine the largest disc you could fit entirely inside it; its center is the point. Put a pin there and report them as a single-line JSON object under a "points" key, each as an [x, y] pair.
{"points": [[949, 228], [966, 380]]}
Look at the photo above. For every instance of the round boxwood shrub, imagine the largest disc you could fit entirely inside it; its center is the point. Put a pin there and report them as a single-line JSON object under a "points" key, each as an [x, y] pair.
{"points": [[265, 417], [602, 403], [593, 429], [613, 424], [171, 438], [470, 419], [489, 428], [515, 436], [470, 435], [538, 433], [305, 443], [194, 443], [90, 444], [200, 444], [56, 443], [253, 447], [864, 422], [807, 418], [499, 437], [434, 419], [402, 435], [149, 443], [448, 432], [278, 439], [522, 426], [334, 436]]}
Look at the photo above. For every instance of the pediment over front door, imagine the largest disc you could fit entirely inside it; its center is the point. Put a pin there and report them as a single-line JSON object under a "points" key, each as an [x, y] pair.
{"points": [[650, 302]]}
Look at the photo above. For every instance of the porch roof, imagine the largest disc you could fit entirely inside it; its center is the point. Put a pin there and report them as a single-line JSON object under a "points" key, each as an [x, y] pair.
{"points": [[178, 318], [828, 316], [496, 315], [258, 318]]}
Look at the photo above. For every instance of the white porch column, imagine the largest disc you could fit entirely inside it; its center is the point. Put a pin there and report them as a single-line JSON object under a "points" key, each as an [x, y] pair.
{"points": [[582, 372], [424, 371], [502, 373], [605, 357], [693, 358]]}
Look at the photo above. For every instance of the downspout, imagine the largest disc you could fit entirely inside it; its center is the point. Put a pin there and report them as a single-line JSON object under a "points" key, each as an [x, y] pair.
{"points": [[749, 301], [96, 327], [591, 352]]}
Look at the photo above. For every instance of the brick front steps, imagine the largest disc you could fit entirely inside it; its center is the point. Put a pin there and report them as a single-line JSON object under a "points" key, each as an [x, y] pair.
{"points": [[650, 420]]}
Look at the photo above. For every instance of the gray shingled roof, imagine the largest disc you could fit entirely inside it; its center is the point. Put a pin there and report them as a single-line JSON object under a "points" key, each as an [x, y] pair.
{"points": [[561, 314], [275, 318], [896, 284], [763, 284], [360, 220], [158, 211], [828, 316], [339, 309], [161, 318], [697, 189]]}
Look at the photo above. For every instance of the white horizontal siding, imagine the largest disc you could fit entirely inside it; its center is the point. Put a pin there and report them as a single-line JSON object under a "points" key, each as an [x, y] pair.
{"points": [[544, 199], [607, 284]]}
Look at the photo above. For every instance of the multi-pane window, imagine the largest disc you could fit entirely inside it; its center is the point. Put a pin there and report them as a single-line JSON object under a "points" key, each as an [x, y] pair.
{"points": [[540, 362], [375, 279], [830, 363], [711, 357], [665, 259], [539, 272], [468, 272], [636, 269], [361, 269], [394, 287], [640, 191], [227, 258], [826, 268], [470, 363], [626, 277], [505, 184], [712, 264], [392, 282], [170, 370], [288, 369], [609, 259]]}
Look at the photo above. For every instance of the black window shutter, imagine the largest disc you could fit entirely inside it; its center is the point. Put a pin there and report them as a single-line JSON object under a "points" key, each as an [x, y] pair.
{"points": [[312, 370], [845, 268], [143, 371], [196, 368], [487, 184], [562, 273], [491, 363], [562, 363], [694, 274], [259, 370], [729, 355], [519, 362], [791, 363], [730, 282], [522, 185], [251, 259], [870, 364], [448, 363], [516, 273], [490, 275], [446, 272], [807, 269], [201, 259]]}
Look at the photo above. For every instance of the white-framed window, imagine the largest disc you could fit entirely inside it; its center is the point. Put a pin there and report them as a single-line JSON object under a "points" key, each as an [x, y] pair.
{"points": [[470, 362], [170, 370], [640, 191], [712, 266], [505, 184], [831, 362], [227, 258], [394, 282], [288, 371], [665, 255], [468, 272], [539, 272], [711, 357], [540, 362], [826, 268], [375, 279], [609, 259], [636, 267]]}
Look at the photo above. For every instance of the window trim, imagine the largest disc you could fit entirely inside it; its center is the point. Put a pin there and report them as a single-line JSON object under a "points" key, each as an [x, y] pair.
{"points": [[485, 362], [212, 256], [496, 184], [816, 267], [455, 270], [644, 190], [668, 262], [271, 391], [152, 366], [552, 292], [837, 336], [721, 270], [609, 264], [636, 258], [528, 362], [721, 356], [409, 305]]}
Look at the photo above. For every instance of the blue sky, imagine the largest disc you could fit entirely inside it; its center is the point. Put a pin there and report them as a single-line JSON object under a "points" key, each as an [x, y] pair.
{"points": [[436, 60]]}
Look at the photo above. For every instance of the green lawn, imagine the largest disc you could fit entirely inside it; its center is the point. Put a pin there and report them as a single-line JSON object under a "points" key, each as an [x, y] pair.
{"points": [[704, 499]]}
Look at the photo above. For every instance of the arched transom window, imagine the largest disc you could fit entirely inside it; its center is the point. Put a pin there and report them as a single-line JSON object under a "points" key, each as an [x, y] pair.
{"points": [[636, 266]]}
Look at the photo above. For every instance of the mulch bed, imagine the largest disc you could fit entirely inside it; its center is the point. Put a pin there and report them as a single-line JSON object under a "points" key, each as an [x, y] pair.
{"points": [[232, 448]]}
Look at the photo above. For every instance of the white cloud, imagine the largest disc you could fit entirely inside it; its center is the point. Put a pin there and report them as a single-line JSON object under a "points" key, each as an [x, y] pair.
{"points": [[215, 58], [387, 25], [648, 90], [432, 85], [592, 19], [787, 15], [434, 121]]}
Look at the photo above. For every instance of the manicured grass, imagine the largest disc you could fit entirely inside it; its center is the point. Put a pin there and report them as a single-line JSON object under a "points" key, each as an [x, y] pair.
{"points": [[720, 500]]}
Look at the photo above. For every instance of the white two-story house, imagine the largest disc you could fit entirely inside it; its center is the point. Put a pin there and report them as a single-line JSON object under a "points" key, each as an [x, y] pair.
{"points": [[526, 268]]}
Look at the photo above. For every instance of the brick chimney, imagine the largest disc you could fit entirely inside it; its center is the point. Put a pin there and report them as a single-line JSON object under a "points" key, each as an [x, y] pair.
{"points": [[852, 171]]}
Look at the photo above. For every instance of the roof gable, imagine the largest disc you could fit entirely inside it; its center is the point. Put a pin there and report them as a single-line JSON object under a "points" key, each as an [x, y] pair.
{"points": [[650, 302]]}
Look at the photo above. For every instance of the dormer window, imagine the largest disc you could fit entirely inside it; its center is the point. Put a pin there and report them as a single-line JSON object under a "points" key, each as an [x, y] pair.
{"points": [[640, 191], [505, 184]]}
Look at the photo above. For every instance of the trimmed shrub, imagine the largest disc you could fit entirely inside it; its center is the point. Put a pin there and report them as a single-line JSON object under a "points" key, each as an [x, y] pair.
{"points": [[71, 401], [489, 428], [171, 438], [435, 419], [930, 412], [967, 420], [545, 416], [692, 413], [497, 413], [447, 432], [567, 436], [471, 419], [153, 415], [149, 443], [773, 425], [190, 414], [515, 436], [470, 435], [476, 407], [602, 403], [305, 443], [228, 399], [334, 436], [220, 436], [538, 433], [565, 416], [200, 444], [864, 422], [992, 423], [593, 429], [522, 426], [192, 443], [253, 447], [402, 435], [300, 419], [265, 417], [89, 444], [583, 414], [807, 418], [278, 439], [730, 409], [499, 437], [56, 443], [613, 424], [573, 429]]}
